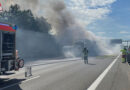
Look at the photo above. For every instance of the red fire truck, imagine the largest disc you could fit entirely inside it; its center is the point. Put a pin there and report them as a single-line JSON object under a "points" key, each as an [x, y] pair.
{"points": [[8, 58]]}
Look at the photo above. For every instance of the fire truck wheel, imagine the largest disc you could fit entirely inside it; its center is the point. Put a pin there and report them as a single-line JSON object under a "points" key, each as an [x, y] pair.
{"points": [[21, 63]]}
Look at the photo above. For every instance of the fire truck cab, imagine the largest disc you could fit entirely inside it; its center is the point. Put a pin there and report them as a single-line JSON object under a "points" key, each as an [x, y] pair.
{"points": [[8, 60]]}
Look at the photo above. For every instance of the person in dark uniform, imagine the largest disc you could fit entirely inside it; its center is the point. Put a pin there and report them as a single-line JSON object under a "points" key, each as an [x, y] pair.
{"points": [[124, 54], [128, 55], [85, 55]]}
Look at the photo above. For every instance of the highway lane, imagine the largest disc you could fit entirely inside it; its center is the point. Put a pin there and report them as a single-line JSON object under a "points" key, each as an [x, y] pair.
{"points": [[73, 75], [118, 78]]}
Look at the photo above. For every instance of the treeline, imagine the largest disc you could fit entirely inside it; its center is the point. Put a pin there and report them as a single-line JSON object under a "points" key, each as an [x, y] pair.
{"points": [[31, 44], [24, 19]]}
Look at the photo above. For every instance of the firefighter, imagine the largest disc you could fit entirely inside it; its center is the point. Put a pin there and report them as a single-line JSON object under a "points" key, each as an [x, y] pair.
{"points": [[85, 55], [17, 54], [124, 54], [128, 55], [129, 50], [19, 62]]}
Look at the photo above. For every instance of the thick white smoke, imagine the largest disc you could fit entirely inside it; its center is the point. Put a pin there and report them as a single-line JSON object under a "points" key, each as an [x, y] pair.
{"points": [[68, 30], [65, 27]]}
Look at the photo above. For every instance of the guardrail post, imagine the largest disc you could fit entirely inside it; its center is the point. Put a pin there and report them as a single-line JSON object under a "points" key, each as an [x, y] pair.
{"points": [[28, 71]]}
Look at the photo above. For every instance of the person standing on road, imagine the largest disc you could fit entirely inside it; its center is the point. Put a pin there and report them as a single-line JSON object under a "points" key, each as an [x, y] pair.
{"points": [[124, 54], [128, 55], [128, 50], [85, 55]]}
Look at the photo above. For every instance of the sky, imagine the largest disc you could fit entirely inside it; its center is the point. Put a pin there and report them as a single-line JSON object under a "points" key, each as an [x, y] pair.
{"points": [[105, 18]]}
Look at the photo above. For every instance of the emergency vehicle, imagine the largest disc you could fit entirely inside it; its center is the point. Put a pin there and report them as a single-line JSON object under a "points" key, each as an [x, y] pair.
{"points": [[8, 58]]}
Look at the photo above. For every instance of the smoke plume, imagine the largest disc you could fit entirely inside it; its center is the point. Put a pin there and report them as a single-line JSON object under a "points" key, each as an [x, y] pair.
{"points": [[35, 45], [68, 30], [65, 27]]}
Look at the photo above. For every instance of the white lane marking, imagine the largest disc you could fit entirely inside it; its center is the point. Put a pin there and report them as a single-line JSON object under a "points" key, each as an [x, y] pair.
{"points": [[3, 77], [100, 78], [20, 82], [30, 79]]}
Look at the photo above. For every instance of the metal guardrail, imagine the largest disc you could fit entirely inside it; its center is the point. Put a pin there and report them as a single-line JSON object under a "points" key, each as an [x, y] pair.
{"points": [[28, 71]]}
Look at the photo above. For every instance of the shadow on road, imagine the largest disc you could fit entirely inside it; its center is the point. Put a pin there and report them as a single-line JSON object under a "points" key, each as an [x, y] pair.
{"points": [[91, 64], [10, 73], [10, 84]]}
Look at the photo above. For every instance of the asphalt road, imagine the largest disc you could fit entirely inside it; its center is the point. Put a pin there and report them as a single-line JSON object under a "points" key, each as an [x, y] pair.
{"points": [[66, 75], [118, 78]]}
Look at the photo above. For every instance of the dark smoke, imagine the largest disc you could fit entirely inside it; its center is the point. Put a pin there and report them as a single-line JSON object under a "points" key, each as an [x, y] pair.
{"points": [[64, 29], [33, 39], [67, 30], [36, 45]]}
